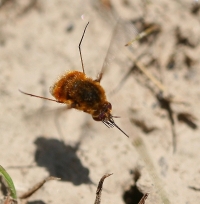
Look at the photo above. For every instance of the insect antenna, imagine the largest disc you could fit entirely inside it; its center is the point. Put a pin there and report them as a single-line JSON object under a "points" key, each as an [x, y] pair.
{"points": [[79, 46], [49, 99], [111, 123]]}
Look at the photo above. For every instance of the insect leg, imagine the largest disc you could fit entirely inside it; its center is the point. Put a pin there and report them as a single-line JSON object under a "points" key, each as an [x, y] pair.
{"points": [[99, 77], [79, 46]]}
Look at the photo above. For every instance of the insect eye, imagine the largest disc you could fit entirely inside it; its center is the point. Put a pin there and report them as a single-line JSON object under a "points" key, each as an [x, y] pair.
{"points": [[107, 106], [100, 117], [96, 118]]}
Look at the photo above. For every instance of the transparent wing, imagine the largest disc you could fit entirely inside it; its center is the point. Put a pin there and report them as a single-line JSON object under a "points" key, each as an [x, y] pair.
{"points": [[123, 32]]}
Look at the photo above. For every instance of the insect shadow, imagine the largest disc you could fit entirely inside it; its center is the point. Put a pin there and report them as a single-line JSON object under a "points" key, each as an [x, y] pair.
{"points": [[61, 160]]}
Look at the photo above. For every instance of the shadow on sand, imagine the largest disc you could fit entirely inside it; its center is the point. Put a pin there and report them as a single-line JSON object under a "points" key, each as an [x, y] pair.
{"points": [[61, 161]]}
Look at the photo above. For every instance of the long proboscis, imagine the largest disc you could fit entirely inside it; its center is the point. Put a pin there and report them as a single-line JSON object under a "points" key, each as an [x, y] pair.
{"points": [[119, 129], [111, 123], [36, 96]]}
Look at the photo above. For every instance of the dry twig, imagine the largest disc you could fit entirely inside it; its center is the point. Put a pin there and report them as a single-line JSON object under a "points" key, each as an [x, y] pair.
{"points": [[99, 189], [36, 187]]}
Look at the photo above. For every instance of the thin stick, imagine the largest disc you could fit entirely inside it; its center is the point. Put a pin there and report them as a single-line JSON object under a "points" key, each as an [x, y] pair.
{"points": [[143, 69], [36, 187], [99, 189], [79, 46], [142, 201], [49, 99], [143, 34]]}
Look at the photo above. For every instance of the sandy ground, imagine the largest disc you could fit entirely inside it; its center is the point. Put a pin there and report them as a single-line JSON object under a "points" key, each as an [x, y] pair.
{"points": [[39, 42]]}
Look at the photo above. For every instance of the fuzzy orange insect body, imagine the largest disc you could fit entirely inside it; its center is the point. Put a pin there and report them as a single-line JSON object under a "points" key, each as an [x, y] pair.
{"points": [[83, 93]]}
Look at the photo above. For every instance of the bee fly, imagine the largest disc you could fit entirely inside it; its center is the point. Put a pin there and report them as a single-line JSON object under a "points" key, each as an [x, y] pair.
{"points": [[78, 91]]}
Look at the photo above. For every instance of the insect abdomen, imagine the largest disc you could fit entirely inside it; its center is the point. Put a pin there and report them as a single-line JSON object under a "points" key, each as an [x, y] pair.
{"points": [[75, 88]]}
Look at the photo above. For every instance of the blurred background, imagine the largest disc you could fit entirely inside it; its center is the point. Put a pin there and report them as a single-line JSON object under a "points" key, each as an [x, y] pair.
{"points": [[153, 85]]}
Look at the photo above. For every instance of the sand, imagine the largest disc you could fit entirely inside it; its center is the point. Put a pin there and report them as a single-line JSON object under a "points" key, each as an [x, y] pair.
{"points": [[39, 42]]}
